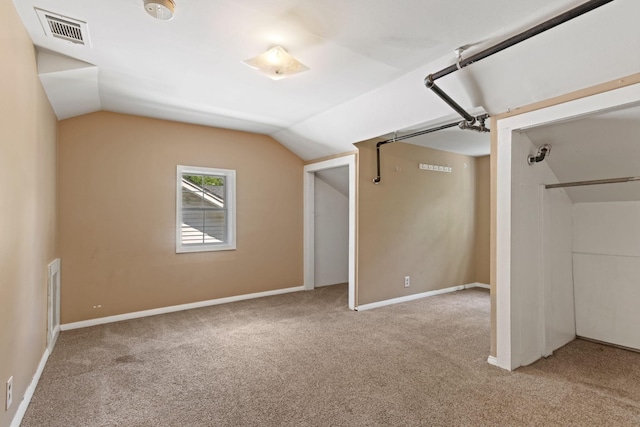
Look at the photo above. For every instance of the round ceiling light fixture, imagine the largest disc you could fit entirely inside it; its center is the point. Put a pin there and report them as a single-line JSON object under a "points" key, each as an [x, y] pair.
{"points": [[160, 9]]}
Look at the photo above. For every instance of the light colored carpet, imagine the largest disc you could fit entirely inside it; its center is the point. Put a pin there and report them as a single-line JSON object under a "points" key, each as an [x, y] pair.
{"points": [[303, 359]]}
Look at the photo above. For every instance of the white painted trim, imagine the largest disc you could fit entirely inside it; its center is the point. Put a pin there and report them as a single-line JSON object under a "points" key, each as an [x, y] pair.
{"points": [[53, 305], [309, 218], [230, 184], [604, 101], [28, 394], [477, 285], [492, 361], [174, 308], [542, 271], [309, 230], [503, 251], [414, 297]]}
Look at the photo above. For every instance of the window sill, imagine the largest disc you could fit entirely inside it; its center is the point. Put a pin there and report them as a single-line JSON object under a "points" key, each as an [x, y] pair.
{"points": [[205, 248]]}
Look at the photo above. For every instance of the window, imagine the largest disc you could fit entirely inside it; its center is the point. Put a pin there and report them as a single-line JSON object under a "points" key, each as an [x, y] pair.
{"points": [[205, 219]]}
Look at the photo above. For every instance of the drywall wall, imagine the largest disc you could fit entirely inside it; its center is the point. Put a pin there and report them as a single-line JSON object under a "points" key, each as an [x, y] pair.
{"points": [[482, 247], [540, 270], [415, 223], [117, 215], [331, 234], [525, 276], [557, 249], [606, 266], [28, 205], [611, 228]]}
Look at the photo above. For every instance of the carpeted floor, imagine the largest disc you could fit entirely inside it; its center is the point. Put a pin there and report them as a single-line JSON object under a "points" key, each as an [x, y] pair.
{"points": [[304, 359]]}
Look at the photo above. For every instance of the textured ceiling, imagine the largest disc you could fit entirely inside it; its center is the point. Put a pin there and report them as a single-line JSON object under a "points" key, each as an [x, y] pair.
{"points": [[368, 59]]}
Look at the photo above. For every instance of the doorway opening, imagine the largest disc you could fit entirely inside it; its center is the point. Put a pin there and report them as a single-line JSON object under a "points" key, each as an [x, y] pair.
{"points": [[322, 264]]}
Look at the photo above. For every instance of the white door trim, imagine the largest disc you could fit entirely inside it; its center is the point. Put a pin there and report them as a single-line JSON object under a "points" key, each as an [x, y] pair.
{"points": [[309, 219], [507, 292], [53, 304]]}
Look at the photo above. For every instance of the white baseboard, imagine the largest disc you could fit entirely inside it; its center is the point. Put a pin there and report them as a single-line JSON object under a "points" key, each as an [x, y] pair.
{"points": [[500, 363], [174, 308], [407, 298], [477, 285], [28, 394]]}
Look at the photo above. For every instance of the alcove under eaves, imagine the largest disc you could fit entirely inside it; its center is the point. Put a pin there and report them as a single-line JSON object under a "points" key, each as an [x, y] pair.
{"points": [[590, 259]]}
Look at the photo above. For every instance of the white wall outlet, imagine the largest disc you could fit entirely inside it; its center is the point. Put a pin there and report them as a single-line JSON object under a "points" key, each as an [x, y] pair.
{"points": [[407, 281], [9, 394]]}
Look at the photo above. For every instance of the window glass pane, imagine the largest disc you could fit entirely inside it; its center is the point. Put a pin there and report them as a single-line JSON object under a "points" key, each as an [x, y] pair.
{"points": [[215, 226], [205, 221], [214, 192], [192, 227], [192, 193], [191, 200]]}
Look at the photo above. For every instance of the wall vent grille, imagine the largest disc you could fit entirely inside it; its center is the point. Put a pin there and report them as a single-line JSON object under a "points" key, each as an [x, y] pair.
{"points": [[62, 27]]}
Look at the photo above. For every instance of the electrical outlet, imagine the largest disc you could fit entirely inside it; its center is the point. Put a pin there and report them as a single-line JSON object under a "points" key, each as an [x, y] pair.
{"points": [[9, 393], [407, 281]]}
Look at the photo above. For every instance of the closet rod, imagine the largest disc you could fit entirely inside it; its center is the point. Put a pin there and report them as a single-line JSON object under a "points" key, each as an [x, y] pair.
{"points": [[593, 182]]}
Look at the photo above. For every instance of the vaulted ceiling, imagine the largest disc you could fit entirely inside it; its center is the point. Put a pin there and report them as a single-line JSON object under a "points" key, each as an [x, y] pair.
{"points": [[367, 59]]}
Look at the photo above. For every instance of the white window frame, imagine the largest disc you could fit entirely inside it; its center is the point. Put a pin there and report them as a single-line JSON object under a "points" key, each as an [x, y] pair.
{"points": [[230, 184]]}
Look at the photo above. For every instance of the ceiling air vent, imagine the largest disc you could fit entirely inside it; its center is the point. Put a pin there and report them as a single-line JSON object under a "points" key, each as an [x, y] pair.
{"points": [[65, 28]]}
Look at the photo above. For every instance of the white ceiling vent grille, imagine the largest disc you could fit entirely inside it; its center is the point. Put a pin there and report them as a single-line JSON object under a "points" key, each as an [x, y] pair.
{"points": [[65, 28]]}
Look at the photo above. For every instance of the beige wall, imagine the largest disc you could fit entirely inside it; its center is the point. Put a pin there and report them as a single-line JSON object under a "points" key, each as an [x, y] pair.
{"points": [[414, 223], [482, 247], [28, 205], [118, 209]]}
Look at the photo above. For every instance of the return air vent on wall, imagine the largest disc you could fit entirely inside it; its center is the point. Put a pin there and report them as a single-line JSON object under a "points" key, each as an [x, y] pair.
{"points": [[65, 28]]}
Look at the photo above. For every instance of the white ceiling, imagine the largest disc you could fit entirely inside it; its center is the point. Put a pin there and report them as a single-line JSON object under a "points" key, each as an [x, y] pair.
{"points": [[601, 146], [338, 178], [368, 59]]}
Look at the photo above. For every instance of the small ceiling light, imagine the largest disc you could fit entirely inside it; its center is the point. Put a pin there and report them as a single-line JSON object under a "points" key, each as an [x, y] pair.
{"points": [[160, 9], [276, 63]]}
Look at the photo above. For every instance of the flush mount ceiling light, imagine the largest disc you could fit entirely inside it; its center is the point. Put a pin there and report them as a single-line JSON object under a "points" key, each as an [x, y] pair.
{"points": [[160, 9], [276, 63]]}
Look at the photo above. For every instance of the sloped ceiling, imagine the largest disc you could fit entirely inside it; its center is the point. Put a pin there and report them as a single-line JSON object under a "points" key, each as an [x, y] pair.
{"points": [[602, 146], [338, 178], [368, 59]]}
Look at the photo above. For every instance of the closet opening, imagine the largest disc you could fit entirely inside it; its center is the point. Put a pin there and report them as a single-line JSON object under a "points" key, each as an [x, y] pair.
{"points": [[330, 249], [568, 227]]}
